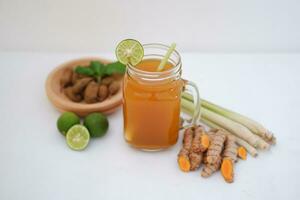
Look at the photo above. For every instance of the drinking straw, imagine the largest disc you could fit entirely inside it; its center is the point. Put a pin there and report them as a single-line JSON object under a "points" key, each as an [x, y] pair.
{"points": [[166, 57]]}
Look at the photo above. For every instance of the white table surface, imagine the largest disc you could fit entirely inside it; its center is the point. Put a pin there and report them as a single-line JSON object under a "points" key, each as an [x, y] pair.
{"points": [[35, 162]]}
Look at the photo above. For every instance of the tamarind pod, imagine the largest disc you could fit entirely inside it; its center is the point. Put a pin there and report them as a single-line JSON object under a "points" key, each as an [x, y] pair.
{"points": [[107, 80], [80, 85], [74, 97], [66, 77], [103, 92], [91, 92], [114, 87]]}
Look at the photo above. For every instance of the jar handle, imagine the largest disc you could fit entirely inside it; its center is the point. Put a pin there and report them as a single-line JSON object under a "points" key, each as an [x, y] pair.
{"points": [[196, 100]]}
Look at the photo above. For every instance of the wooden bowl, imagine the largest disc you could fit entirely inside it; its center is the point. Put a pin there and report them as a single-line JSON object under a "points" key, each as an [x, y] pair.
{"points": [[63, 103]]}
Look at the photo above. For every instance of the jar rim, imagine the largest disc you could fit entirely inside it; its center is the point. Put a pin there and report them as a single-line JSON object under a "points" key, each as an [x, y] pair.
{"points": [[173, 71]]}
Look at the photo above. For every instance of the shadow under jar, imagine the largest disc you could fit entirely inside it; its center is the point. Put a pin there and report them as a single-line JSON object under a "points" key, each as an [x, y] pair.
{"points": [[151, 100]]}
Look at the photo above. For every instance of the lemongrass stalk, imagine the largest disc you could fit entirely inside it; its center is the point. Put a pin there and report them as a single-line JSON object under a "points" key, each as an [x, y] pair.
{"points": [[232, 126], [187, 105], [187, 96], [252, 125], [166, 57], [251, 150], [235, 128]]}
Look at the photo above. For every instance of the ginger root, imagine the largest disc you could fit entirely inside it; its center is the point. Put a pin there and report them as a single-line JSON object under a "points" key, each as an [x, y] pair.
{"points": [[242, 153], [205, 141], [183, 156], [229, 158], [215, 149], [209, 169], [188, 138], [184, 160], [196, 154], [230, 149], [196, 145], [195, 160], [213, 155], [227, 170]]}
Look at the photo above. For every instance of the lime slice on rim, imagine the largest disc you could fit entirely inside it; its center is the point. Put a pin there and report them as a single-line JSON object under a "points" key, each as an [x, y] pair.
{"points": [[78, 137], [129, 51]]}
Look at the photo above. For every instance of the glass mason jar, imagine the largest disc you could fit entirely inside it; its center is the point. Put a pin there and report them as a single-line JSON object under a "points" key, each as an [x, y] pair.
{"points": [[151, 100]]}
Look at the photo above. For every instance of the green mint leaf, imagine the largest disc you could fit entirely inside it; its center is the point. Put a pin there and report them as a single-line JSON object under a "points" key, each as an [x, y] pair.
{"points": [[84, 70], [98, 68], [115, 68]]}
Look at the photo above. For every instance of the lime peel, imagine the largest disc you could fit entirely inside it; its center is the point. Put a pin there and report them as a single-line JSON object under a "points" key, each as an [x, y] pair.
{"points": [[97, 124], [66, 121]]}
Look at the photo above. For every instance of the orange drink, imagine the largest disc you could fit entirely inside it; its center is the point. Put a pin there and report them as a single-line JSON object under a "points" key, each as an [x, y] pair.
{"points": [[151, 100]]}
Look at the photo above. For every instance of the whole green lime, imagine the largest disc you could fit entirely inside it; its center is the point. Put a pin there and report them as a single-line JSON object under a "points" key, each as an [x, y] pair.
{"points": [[66, 121], [97, 124]]}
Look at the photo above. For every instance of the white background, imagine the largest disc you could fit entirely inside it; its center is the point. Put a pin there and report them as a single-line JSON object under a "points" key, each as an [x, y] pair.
{"points": [[195, 25], [36, 164], [243, 55]]}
